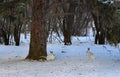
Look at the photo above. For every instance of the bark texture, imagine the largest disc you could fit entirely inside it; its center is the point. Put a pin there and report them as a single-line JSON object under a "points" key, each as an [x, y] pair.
{"points": [[38, 32]]}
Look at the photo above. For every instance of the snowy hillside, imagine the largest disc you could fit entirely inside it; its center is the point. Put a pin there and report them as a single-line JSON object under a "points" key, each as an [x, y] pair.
{"points": [[70, 61]]}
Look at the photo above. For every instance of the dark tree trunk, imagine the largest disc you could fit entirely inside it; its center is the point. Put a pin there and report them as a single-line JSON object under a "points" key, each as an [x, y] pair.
{"points": [[5, 38], [6, 31], [66, 33], [38, 32], [17, 31], [100, 27], [67, 24], [98, 36], [102, 38]]}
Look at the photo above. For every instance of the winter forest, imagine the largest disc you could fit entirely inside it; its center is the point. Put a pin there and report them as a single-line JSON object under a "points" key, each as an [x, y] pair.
{"points": [[59, 38]]}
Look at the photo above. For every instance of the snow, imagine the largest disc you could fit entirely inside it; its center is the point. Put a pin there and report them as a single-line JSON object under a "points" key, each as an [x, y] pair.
{"points": [[70, 61]]}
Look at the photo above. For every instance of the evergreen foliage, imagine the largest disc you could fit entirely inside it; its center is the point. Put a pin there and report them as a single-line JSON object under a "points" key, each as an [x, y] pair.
{"points": [[15, 14]]}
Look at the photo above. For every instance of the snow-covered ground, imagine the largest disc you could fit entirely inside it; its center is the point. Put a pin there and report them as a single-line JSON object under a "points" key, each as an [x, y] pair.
{"points": [[70, 61]]}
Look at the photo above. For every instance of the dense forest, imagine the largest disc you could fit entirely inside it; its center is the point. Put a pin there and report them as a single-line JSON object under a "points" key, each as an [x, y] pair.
{"points": [[69, 18]]}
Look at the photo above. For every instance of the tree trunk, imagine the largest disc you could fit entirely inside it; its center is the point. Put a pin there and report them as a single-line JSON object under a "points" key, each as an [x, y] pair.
{"points": [[5, 38], [102, 38], [68, 23], [38, 32], [66, 33], [17, 31], [6, 31]]}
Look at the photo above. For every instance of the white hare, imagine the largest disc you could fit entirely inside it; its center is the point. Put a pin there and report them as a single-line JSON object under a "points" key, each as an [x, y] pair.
{"points": [[90, 54], [50, 57]]}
